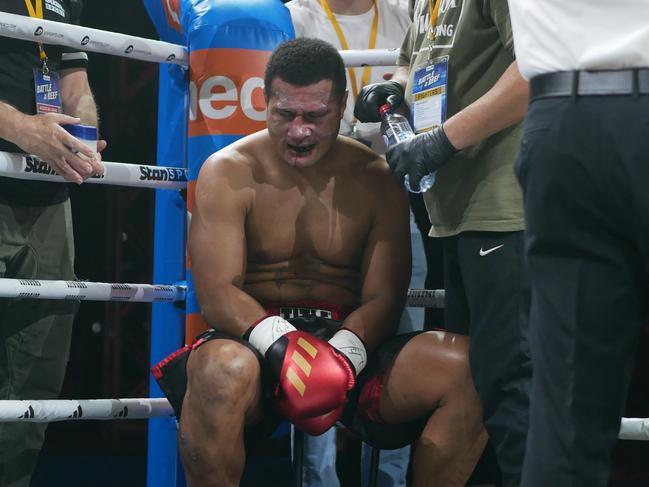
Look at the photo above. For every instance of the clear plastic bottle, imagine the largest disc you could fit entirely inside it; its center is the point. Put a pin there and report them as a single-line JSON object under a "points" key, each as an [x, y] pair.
{"points": [[395, 128]]}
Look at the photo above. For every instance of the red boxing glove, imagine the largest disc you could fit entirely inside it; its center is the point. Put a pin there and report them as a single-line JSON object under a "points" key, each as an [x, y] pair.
{"points": [[318, 425], [312, 376], [353, 348]]}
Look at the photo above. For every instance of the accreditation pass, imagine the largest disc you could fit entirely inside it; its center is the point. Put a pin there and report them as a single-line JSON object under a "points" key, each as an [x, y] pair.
{"points": [[429, 95]]}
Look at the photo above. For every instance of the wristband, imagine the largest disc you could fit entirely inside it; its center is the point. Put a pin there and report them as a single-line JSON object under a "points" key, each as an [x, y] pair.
{"points": [[352, 347], [267, 331]]}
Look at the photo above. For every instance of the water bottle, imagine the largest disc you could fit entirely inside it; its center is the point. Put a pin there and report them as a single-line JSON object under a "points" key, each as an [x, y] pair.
{"points": [[395, 128]]}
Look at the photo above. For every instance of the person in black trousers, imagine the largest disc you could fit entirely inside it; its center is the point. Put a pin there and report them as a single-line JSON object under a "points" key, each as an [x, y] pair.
{"points": [[584, 168]]}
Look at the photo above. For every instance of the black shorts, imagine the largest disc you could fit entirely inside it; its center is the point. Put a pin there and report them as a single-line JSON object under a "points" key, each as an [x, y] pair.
{"points": [[361, 410]]}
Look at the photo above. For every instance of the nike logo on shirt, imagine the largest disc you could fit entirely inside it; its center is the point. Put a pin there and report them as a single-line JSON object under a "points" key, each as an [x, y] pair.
{"points": [[488, 251]]}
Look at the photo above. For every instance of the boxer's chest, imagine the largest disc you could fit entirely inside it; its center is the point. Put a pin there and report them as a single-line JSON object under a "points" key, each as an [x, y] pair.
{"points": [[327, 225]]}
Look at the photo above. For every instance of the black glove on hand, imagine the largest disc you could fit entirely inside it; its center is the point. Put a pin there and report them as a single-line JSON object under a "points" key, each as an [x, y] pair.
{"points": [[373, 96], [420, 155]]}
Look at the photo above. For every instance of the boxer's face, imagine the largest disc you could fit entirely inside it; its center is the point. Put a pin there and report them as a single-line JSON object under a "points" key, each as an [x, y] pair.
{"points": [[303, 121]]}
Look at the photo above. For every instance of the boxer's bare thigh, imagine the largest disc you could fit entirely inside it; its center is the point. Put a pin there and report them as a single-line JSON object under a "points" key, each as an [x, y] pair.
{"points": [[224, 372], [428, 369]]}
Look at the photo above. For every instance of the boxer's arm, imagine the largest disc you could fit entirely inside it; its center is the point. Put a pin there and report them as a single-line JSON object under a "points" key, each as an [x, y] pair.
{"points": [[386, 265], [217, 243]]}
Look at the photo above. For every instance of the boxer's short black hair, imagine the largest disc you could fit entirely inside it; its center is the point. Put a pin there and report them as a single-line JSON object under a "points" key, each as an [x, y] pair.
{"points": [[305, 61]]}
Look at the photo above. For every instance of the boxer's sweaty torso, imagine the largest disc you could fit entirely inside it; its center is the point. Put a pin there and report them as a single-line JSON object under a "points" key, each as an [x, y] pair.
{"points": [[306, 231]]}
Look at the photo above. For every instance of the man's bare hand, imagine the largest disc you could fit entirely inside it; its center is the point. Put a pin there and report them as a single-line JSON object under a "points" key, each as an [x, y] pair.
{"points": [[43, 136]]}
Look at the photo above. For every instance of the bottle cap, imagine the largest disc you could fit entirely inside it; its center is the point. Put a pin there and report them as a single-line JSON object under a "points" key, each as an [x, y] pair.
{"points": [[383, 109], [86, 132]]}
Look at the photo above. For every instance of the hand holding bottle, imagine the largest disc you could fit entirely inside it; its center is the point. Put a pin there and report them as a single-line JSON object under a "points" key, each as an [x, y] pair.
{"points": [[419, 157]]}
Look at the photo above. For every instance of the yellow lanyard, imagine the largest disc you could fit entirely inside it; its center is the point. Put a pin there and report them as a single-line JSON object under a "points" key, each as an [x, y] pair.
{"points": [[343, 43], [434, 12], [37, 12]]}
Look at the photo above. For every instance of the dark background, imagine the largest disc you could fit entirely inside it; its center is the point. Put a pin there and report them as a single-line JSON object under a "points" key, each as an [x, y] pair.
{"points": [[114, 242]]}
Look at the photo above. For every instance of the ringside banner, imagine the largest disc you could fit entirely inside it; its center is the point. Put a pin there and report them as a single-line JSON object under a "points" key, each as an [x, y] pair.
{"points": [[230, 42]]}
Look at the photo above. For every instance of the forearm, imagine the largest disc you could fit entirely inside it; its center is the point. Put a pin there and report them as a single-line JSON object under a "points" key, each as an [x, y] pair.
{"points": [[76, 96], [229, 309], [375, 320], [503, 105], [83, 107], [10, 121]]}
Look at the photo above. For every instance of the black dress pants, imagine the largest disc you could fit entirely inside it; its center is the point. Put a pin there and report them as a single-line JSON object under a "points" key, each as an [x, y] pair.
{"points": [[487, 298], [584, 168]]}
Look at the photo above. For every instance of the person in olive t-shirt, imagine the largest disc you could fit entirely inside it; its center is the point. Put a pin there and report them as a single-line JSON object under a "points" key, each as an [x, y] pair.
{"points": [[36, 240], [466, 98]]}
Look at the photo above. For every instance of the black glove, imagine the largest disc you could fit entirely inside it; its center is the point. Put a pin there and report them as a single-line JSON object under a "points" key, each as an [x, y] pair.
{"points": [[375, 95], [420, 155]]}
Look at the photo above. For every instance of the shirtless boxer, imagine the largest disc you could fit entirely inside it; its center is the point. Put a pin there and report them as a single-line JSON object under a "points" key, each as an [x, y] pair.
{"points": [[300, 252]]}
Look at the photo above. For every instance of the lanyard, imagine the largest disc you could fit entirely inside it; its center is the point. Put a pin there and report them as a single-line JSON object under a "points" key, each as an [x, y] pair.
{"points": [[434, 12], [343, 43], [37, 12]]}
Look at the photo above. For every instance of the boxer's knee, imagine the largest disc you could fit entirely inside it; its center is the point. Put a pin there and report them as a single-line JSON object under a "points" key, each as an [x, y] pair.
{"points": [[222, 373], [445, 353]]}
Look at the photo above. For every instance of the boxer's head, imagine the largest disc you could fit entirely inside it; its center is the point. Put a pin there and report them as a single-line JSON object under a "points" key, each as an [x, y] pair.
{"points": [[305, 90]]}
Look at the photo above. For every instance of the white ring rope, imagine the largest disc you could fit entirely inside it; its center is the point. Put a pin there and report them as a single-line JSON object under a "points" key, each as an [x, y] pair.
{"points": [[370, 57], [426, 298], [86, 39], [106, 42], [89, 291], [634, 429], [23, 166], [37, 411], [144, 293], [47, 411]]}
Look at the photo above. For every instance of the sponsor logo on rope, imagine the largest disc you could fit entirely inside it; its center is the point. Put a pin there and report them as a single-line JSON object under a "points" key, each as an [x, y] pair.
{"points": [[76, 284], [37, 166], [77, 413], [38, 31], [30, 282], [226, 94], [120, 287], [123, 413], [96, 44], [165, 174], [7, 26], [171, 57], [133, 46], [28, 295], [29, 413], [164, 288], [75, 297]]}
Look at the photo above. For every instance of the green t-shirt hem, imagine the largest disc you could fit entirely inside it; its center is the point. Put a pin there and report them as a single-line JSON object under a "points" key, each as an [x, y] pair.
{"points": [[484, 226]]}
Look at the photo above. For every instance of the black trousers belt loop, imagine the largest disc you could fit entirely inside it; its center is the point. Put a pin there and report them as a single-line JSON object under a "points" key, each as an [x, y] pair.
{"points": [[589, 83]]}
